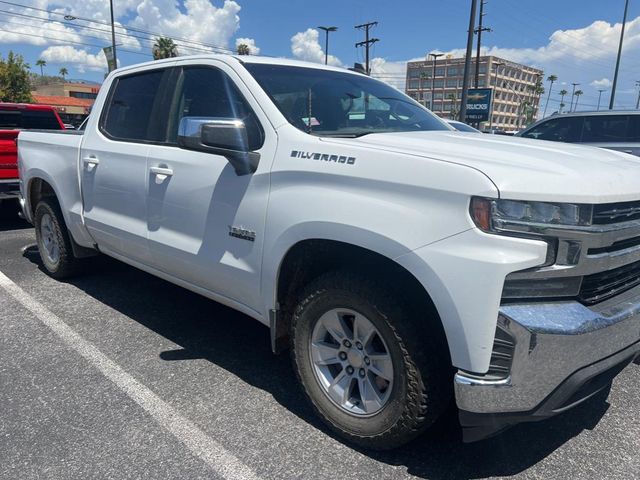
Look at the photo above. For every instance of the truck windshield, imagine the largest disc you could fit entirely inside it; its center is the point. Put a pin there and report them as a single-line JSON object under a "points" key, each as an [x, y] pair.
{"points": [[330, 103]]}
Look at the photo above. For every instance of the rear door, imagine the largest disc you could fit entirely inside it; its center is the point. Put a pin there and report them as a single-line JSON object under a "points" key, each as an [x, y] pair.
{"points": [[197, 203], [113, 162]]}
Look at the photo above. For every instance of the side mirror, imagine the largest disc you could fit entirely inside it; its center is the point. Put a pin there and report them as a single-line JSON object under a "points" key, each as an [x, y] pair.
{"points": [[221, 136]]}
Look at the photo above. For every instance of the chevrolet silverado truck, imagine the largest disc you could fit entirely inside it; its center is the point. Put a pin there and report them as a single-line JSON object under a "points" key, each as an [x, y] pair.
{"points": [[404, 265], [15, 117]]}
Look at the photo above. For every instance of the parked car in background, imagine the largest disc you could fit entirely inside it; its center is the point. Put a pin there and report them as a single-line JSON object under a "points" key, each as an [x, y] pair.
{"points": [[462, 127], [15, 117], [615, 130]]}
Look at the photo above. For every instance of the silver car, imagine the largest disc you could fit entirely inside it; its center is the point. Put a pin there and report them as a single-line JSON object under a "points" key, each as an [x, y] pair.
{"points": [[616, 130]]}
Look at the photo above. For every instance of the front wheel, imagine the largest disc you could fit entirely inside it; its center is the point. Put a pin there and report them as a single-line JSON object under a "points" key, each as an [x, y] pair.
{"points": [[365, 362], [53, 240]]}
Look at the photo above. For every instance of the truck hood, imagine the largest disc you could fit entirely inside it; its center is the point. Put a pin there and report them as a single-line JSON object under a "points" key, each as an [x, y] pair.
{"points": [[527, 169]]}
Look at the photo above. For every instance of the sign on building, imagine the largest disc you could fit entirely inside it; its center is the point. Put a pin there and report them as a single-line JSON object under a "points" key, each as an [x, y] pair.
{"points": [[479, 105]]}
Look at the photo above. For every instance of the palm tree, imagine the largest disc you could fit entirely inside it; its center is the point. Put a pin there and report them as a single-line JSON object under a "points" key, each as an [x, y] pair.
{"points": [[578, 93], [164, 48], [243, 49], [41, 63], [563, 92], [551, 79], [63, 73]]}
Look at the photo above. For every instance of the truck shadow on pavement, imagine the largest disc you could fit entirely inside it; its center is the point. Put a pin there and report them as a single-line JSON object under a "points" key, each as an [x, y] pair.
{"points": [[207, 330]]}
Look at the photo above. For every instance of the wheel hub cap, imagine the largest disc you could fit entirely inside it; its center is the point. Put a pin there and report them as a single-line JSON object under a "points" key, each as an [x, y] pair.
{"points": [[49, 239], [351, 362]]}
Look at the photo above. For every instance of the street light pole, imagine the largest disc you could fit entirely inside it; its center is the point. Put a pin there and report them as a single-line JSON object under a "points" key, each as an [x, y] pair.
{"points": [[326, 41], [638, 101], [599, 97], [433, 81], [495, 93], [113, 37], [573, 93], [615, 75], [467, 61]]}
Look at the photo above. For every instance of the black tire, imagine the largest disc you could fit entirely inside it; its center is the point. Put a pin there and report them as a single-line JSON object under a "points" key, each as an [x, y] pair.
{"points": [[66, 265], [422, 382]]}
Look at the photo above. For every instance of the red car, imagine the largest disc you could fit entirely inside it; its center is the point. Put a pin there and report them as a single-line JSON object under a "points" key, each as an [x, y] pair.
{"points": [[13, 118]]}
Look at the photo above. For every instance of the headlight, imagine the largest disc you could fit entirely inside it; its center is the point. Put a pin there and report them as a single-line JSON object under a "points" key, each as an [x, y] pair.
{"points": [[498, 215]]}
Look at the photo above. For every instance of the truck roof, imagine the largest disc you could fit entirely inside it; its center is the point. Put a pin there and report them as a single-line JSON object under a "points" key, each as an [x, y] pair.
{"points": [[25, 106], [242, 59]]}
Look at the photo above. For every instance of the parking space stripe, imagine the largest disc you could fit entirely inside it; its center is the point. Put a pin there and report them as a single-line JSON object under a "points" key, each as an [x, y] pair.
{"points": [[200, 444]]}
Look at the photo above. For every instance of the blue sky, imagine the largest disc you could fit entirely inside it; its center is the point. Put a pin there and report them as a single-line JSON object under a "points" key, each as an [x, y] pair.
{"points": [[573, 39]]}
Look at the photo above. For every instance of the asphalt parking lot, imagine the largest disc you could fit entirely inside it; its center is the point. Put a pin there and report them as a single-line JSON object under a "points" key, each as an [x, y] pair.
{"points": [[117, 374]]}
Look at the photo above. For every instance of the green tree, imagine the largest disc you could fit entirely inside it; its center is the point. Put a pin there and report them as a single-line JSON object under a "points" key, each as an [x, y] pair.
{"points": [[41, 63], [164, 47], [14, 79], [578, 93], [243, 49], [63, 73], [563, 93], [551, 79]]}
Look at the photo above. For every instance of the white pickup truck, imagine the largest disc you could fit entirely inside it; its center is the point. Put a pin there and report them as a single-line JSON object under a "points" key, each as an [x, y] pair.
{"points": [[404, 264]]}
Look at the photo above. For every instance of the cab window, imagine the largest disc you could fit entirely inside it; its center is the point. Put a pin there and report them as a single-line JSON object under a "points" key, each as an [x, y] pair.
{"points": [[133, 110], [208, 92], [605, 128], [567, 129]]}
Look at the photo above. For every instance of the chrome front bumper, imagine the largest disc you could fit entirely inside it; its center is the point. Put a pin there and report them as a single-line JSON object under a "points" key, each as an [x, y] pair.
{"points": [[560, 348]]}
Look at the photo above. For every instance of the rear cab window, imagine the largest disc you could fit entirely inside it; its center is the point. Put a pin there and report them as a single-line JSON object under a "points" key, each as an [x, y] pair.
{"points": [[28, 119]]}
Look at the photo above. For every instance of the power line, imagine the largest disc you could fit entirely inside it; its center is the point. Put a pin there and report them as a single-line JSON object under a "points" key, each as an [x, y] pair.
{"points": [[147, 32]]}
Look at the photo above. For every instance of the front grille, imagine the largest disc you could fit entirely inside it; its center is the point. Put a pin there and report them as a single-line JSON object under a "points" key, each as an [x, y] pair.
{"points": [[616, 246], [616, 212], [600, 286]]}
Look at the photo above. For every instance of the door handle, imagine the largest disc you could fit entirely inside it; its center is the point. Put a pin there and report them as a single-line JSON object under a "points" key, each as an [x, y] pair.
{"points": [[161, 173], [91, 162]]}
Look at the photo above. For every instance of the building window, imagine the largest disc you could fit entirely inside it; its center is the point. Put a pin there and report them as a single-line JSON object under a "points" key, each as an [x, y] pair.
{"points": [[483, 69], [414, 73], [439, 83], [440, 72], [452, 82], [452, 71], [89, 95], [413, 84], [437, 96]]}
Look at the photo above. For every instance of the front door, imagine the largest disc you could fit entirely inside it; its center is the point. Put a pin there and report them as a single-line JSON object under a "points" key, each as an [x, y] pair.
{"points": [[205, 223]]}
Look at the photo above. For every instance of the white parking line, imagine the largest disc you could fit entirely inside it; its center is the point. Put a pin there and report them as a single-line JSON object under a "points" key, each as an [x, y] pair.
{"points": [[203, 446]]}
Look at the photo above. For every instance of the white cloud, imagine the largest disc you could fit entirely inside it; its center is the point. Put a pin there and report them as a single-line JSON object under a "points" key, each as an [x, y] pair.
{"points": [[195, 20], [393, 73], [66, 55], [601, 84], [249, 42], [305, 46]]}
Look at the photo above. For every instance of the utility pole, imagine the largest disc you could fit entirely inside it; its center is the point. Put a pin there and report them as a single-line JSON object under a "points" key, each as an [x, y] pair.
{"points": [[573, 93], [113, 37], [600, 97], [367, 42], [638, 101], [615, 75], [479, 31], [467, 61]]}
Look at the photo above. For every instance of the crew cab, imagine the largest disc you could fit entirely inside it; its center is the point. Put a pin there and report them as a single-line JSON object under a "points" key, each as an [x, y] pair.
{"points": [[15, 117], [404, 264]]}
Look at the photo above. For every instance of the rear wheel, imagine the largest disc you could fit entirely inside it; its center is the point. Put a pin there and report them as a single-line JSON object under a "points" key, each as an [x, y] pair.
{"points": [[53, 240], [365, 362]]}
